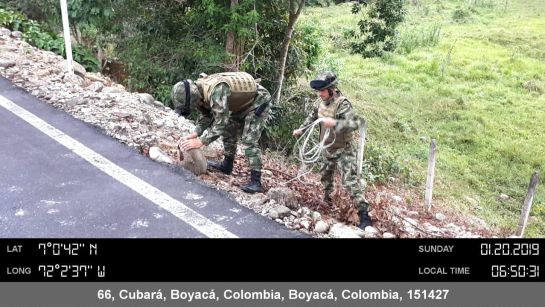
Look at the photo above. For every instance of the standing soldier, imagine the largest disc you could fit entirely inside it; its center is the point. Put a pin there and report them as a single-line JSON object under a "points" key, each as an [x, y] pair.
{"points": [[229, 104], [338, 115]]}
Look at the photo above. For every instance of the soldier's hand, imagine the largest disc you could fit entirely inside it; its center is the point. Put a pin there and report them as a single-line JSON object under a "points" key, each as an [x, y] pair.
{"points": [[189, 136], [191, 144], [297, 132], [329, 122]]}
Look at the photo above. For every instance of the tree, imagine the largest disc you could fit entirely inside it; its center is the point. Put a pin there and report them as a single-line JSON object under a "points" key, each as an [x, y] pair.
{"points": [[295, 9], [231, 43], [377, 30]]}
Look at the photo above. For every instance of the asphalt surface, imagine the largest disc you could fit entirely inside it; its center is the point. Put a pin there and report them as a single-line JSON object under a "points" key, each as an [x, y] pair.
{"points": [[48, 191]]}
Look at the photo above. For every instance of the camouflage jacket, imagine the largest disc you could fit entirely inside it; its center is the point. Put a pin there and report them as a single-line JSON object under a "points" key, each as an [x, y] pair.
{"points": [[211, 125], [346, 118]]}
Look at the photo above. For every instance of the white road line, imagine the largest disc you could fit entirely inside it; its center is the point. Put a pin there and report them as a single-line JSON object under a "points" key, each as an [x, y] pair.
{"points": [[163, 200]]}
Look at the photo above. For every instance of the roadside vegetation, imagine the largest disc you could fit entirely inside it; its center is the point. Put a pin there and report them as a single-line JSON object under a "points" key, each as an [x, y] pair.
{"points": [[470, 74]]}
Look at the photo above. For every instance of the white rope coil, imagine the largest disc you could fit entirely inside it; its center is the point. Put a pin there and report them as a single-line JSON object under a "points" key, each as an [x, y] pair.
{"points": [[310, 149]]}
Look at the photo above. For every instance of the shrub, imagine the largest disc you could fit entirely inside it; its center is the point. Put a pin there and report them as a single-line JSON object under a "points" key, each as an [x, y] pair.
{"points": [[377, 30], [36, 36], [286, 117], [461, 15], [379, 164]]}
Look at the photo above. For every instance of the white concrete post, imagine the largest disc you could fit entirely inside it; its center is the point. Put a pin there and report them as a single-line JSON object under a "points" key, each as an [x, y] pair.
{"points": [[67, 39]]}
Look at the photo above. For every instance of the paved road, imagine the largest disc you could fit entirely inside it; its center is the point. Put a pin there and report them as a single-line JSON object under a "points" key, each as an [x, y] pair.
{"points": [[60, 177]]}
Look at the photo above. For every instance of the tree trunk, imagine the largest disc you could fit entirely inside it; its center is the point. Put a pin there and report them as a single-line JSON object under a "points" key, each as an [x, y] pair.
{"points": [[296, 7], [230, 45]]}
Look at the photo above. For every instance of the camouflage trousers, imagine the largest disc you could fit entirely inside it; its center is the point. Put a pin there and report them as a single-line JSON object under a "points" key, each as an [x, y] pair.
{"points": [[346, 162], [251, 127]]}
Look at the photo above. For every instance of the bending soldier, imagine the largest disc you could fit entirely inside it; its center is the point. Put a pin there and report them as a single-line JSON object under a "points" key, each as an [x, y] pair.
{"points": [[229, 104]]}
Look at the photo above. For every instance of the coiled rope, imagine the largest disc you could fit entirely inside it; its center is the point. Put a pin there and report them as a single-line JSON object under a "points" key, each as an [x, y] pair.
{"points": [[310, 149]]}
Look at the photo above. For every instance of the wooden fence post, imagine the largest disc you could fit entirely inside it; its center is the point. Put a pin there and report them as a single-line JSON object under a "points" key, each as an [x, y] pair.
{"points": [[361, 147], [527, 204], [431, 175]]}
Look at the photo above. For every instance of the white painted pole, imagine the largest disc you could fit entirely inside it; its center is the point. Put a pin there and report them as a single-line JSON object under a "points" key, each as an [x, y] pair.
{"points": [[67, 39], [431, 175]]}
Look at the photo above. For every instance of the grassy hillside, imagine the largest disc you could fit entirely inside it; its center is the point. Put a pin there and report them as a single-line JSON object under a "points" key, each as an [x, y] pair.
{"points": [[470, 74]]}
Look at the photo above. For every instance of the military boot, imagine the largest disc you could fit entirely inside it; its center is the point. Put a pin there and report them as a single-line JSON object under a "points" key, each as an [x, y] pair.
{"points": [[254, 186], [365, 220], [225, 166]]}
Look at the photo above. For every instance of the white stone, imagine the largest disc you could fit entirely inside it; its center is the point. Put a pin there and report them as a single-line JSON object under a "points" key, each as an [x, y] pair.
{"points": [[316, 216], [6, 63], [159, 123], [321, 227], [359, 232], [430, 228], [170, 124], [17, 34], [112, 90], [74, 79], [371, 230], [283, 211], [156, 154], [397, 198], [79, 69], [413, 213], [388, 235], [440, 217], [5, 32], [409, 225], [146, 98], [119, 86], [305, 224], [96, 87], [72, 102], [273, 214], [411, 221], [342, 231]]}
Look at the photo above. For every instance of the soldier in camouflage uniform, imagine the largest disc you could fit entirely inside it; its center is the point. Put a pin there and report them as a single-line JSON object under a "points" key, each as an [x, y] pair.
{"points": [[340, 118], [229, 104]]}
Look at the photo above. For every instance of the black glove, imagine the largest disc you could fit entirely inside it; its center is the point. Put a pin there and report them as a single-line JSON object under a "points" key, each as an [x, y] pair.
{"points": [[180, 110]]}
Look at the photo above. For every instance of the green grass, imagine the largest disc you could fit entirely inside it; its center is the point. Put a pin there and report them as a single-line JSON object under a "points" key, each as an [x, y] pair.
{"points": [[478, 87]]}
